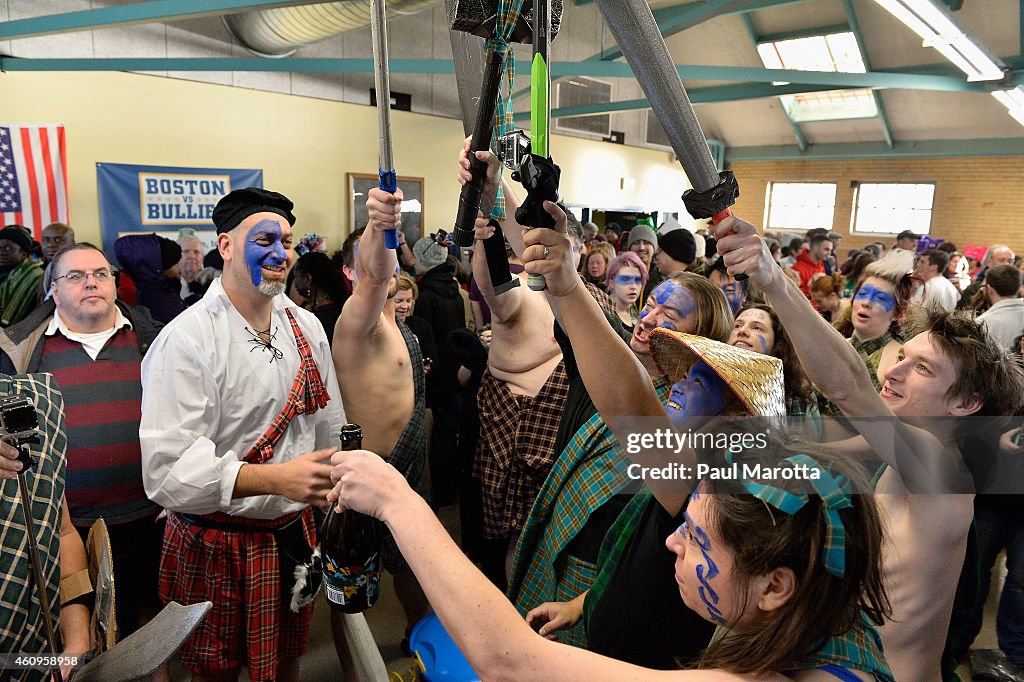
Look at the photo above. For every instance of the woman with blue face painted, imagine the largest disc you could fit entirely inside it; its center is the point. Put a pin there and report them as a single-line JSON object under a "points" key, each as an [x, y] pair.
{"points": [[791, 578], [626, 279], [879, 302]]}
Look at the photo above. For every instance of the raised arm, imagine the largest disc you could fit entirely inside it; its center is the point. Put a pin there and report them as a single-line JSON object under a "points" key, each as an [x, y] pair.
{"points": [[470, 607], [375, 267], [507, 305], [835, 367], [617, 382], [512, 230]]}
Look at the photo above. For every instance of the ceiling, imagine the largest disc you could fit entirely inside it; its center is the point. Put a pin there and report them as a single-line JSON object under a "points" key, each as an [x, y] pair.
{"points": [[927, 107]]}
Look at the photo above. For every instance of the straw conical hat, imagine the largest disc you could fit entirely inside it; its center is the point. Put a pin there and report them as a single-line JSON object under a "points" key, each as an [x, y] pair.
{"points": [[755, 378]]}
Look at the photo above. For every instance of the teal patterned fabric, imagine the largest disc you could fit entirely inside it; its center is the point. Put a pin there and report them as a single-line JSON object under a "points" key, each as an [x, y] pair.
{"points": [[22, 628]]}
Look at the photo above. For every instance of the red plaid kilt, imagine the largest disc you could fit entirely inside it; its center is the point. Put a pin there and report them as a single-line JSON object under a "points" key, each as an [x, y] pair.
{"points": [[250, 623]]}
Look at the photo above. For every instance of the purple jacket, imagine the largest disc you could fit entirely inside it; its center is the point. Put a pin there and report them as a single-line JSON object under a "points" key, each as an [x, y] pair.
{"points": [[139, 256]]}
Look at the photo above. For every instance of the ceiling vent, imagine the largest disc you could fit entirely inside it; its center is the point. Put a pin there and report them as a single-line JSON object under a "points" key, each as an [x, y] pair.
{"points": [[580, 91]]}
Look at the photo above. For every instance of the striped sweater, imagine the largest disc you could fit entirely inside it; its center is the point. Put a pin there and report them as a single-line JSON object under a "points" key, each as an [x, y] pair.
{"points": [[103, 405]]}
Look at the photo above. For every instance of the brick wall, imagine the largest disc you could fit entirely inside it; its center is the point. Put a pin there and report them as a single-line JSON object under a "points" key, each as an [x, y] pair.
{"points": [[978, 200]]}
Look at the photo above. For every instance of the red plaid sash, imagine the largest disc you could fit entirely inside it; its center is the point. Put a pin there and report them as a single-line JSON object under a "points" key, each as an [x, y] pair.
{"points": [[306, 397]]}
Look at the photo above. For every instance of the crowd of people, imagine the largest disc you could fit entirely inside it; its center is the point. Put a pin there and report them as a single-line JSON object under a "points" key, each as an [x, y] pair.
{"points": [[194, 403]]}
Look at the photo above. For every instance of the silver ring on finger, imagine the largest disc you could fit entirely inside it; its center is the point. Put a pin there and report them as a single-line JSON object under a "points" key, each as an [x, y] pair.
{"points": [[547, 252]]}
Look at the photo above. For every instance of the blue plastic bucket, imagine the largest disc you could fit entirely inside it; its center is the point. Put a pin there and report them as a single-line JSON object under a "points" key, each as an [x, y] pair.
{"points": [[440, 658]]}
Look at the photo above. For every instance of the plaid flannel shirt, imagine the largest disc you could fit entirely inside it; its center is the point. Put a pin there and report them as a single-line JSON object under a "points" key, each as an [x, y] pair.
{"points": [[590, 470], [22, 628], [516, 448]]}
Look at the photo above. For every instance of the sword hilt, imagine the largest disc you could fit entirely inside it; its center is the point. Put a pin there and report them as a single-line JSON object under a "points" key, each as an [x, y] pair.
{"points": [[715, 202], [389, 183]]}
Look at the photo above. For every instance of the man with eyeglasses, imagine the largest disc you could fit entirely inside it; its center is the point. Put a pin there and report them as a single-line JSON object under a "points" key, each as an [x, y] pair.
{"points": [[19, 275], [93, 346]]}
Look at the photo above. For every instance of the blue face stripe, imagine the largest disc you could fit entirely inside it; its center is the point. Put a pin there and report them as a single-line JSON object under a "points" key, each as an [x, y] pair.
{"points": [[885, 299], [706, 572], [257, 255]]}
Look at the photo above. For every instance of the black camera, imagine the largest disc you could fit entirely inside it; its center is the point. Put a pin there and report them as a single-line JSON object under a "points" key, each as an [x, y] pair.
{"points": [[19, 425]]}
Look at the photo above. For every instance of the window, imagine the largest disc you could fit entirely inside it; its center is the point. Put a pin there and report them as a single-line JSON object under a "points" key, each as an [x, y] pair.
{"points": [[890, 208], [800, 205], [581, 91], [836, 52]]}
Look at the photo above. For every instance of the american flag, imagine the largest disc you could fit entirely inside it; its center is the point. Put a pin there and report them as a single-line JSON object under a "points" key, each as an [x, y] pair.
{"points": [[33, 176]]}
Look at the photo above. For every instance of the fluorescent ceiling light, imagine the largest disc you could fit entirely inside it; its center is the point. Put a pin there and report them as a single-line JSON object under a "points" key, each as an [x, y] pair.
{"points": [[937, 29], [1013, 100]]}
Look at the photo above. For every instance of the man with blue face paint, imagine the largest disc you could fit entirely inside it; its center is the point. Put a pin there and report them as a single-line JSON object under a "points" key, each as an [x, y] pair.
{"points": [[383, 385], [240, 414]]}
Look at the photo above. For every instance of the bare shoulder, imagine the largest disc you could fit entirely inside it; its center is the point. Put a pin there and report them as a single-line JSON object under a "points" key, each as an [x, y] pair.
{"points": [[355, 342]]}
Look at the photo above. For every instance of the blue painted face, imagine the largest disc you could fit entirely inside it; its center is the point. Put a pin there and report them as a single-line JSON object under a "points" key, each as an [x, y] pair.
{"points": [[707, 569], [264, 248], [701, 393], [879, 297]]}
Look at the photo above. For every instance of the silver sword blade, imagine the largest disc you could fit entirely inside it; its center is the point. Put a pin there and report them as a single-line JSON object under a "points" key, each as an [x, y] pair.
{"points": [[379, 37]]}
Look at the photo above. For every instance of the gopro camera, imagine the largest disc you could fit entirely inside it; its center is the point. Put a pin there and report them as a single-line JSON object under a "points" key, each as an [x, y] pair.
{"points": [[19, 425], [513, 147]]}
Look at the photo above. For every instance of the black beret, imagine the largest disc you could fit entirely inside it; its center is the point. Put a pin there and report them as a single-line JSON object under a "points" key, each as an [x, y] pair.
{"points": [[238, 205], [18, 235]]}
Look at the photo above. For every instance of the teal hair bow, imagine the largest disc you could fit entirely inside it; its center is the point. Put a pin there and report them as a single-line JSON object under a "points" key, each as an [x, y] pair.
{"points": [[835, 495]]}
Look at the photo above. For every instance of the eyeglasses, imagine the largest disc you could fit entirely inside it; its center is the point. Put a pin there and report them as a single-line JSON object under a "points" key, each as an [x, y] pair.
{"points": [[76, 276], [626, 280]]}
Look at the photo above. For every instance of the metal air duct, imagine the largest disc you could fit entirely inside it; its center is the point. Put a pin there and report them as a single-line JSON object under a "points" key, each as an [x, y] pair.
{"points": [[280, 32]]}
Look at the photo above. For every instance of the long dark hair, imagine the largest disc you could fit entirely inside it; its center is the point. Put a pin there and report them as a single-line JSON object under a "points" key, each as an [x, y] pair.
{"points": [[323, 275], [795, 380]]}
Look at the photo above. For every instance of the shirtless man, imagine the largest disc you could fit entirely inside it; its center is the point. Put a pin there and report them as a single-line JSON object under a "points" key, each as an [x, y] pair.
{"points": [[942, 372], [380, 369]]}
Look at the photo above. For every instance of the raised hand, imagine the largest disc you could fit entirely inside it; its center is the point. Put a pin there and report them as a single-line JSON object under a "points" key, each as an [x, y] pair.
{"points": [[549, 253]]}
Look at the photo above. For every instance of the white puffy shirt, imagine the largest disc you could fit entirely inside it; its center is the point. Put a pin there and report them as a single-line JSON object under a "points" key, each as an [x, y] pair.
{"points": [[208, 394]]}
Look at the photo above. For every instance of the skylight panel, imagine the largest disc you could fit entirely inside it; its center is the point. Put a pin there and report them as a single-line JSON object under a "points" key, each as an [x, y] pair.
{"points": [[836, 52]]}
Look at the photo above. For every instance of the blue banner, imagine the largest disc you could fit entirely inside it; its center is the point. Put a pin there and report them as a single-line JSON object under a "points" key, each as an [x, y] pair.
{"points": [[163, 199]]}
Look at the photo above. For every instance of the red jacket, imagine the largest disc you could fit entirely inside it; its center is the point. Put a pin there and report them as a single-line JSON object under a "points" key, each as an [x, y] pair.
{"points": [[807, 268]]}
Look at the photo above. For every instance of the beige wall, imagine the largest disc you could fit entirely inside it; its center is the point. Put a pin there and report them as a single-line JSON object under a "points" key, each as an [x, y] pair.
{"points": [[978, 200], [305, 146]]}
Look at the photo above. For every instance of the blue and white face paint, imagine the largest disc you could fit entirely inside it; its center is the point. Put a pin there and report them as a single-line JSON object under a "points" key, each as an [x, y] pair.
{"points": [[670, 306], [703, 565], [266, 255], [874, 306]]}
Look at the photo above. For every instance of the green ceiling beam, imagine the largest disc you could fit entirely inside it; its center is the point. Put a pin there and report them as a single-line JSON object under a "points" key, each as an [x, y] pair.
{"points": [[720, 93], [880, 150], [672, 20], [137, 13], [293, 65], [756, 39], [874, 79], [883, 117]]}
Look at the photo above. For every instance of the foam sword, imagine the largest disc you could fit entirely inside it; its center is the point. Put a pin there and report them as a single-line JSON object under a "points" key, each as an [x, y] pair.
{"points": [[379, 38], [635, 30]]}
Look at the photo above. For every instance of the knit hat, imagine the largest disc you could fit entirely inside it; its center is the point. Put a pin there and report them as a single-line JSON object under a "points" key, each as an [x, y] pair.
{"points": [[18, 235], [679, 245], [429, 253], [756, 379], [238, 205], [644, 232], [170, 252]]}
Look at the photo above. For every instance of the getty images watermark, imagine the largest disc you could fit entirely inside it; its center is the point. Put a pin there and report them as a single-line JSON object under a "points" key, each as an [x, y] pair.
{"points": [[670, 440]]}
